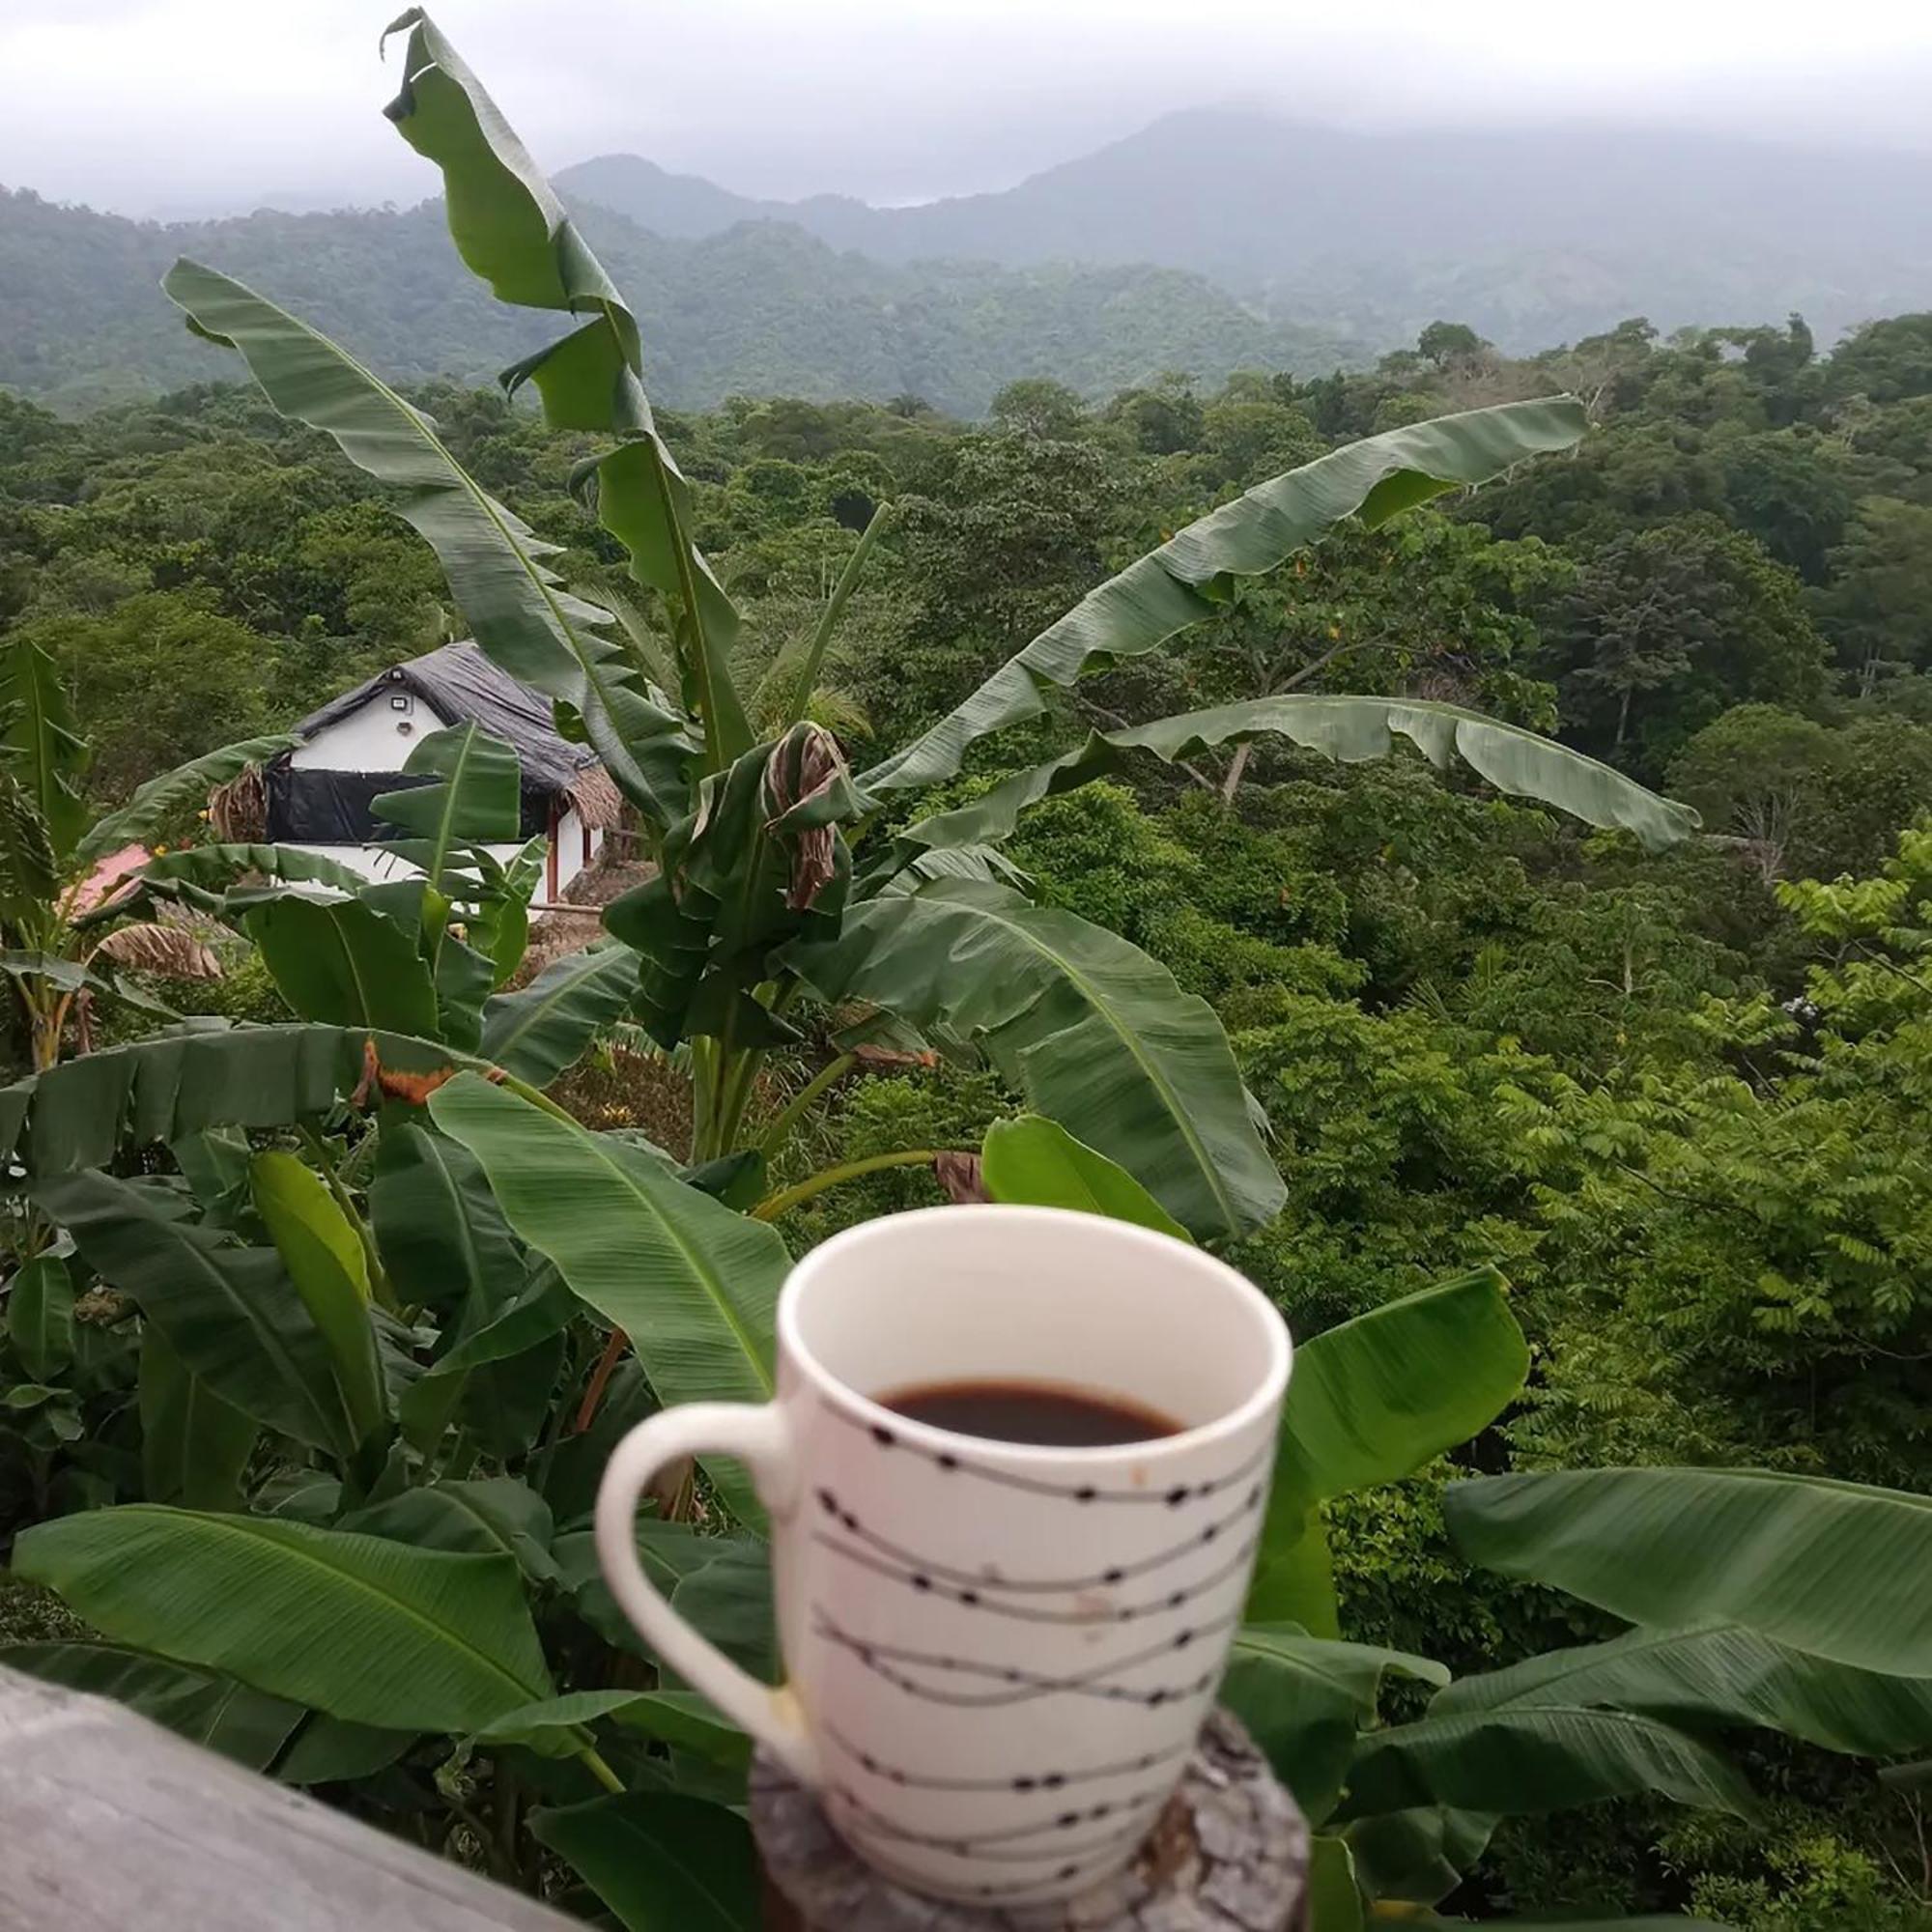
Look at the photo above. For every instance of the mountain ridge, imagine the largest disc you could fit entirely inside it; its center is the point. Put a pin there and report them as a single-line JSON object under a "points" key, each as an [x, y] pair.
{"points": [[1542, 235], [759, 308]]}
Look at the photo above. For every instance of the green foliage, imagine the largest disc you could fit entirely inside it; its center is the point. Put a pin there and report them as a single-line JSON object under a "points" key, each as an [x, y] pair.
{"points": [[744, 312], [333, 1376], [1667, 628]]}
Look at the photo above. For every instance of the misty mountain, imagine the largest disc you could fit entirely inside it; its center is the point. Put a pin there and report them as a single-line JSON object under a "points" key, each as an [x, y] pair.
{"points": [[1531, 236], [760, 308]]}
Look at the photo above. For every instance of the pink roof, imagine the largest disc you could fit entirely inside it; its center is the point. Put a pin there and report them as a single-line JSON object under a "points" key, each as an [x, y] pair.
{"points": [[102, 882]]}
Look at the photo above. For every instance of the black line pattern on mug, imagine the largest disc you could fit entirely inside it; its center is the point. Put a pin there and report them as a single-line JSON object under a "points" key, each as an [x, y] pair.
{"points": [[1025, 1782], [919, 1881], [973, 1844], [880, 1658], [1171, 1497], [978, 1600], [976, 1583], [959, 1848], [1068, 1870]]}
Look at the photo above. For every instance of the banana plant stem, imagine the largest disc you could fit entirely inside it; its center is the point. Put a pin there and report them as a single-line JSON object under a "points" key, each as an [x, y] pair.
{"points": [[787, 1198], [739, 1082], [594, 1763], [799, 1104], [835, 609], [523, 1090], [600, 1377], [703, 1086]]}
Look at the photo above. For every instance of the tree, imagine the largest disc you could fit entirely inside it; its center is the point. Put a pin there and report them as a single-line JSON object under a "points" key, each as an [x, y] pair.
{"points": [[1160, 419], [1877, 607], [1446, 343], [1790, 490], [164, 674], [1038, 407], [1886, 361], [1664, 629], [1806, 799]]}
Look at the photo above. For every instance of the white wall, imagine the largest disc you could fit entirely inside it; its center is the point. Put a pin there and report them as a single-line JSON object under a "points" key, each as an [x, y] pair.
{"points": [[368, 739], [373, 863], [570, 847]]}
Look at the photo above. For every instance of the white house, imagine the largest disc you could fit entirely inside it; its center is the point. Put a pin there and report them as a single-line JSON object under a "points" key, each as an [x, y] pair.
{"points": [[318, 795]]}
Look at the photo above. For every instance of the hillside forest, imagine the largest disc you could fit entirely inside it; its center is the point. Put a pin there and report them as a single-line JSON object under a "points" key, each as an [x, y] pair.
{"points": [[1676, 1098]]}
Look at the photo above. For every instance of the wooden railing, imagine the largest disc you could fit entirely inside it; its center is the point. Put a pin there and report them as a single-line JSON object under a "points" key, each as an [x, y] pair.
{"points": [[110, 1823]]}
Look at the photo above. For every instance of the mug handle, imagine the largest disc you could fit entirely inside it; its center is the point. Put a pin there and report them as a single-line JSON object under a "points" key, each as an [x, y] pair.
{"points": [[760, 1438]]}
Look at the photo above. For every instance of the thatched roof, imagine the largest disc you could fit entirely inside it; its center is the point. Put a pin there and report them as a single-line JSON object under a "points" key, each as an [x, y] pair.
{"points": [[459, 683]]}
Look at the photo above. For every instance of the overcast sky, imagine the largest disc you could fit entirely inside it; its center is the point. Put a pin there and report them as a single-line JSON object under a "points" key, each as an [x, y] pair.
{"points": [[180, 107]]}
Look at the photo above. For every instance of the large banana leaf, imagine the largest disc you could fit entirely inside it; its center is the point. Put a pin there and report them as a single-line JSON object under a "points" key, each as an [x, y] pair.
{"points": [[538, 1032], [326, 1751], [222, 881], [1331, 1901], [161, 1090], [499, 1375], [475, 797], [1830, 1568], [1349, 730], [680, 1719], [1529, 1758], [1035, 1162], [493, 1514], [71, 977], [44, 753], [1370, 1401], [1091, 1031], [521, 616], [500, 926], [691, 1283], [443, 1240], [324, 1259], [512, 231], [1420, 1855], [1303, 1699], [661, 1862], [342, 961], [194, 1445], [231, 1314], [30, 875], [200, 1705], [1720, 1673], [1191, 576], [357, 1626], [157, 801], [40, 1315]]}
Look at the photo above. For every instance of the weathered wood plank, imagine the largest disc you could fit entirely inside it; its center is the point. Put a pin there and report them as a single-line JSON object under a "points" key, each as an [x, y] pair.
{"points": [[108, 1822], [1230, 1853]]}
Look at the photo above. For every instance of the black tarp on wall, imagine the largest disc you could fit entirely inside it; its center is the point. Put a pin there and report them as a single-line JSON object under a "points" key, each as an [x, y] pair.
{"points": [[322, 808]]}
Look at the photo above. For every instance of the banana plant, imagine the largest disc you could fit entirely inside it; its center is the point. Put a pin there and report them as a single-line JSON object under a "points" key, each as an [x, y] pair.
{"points": [[321, 1581], [782, 879], [57, 860]]}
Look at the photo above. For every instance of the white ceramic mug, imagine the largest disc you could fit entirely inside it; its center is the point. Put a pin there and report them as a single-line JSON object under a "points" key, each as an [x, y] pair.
{"points": [[999, 1655]]}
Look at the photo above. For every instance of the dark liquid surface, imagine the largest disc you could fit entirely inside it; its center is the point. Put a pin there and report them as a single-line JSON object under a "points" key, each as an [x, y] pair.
{"points": [[1052, 1414]]}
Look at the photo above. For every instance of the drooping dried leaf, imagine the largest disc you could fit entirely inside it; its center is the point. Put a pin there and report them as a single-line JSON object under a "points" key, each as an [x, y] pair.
{"points": [[805, 768], [171, 951], [239, 811]]}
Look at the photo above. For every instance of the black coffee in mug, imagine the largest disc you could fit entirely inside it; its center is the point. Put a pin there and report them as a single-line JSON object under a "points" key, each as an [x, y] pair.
{"points": [[1054, 1415]]}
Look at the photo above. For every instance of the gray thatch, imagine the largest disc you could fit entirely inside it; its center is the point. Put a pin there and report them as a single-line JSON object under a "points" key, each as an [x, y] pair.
{"points": [[459, 683]]}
